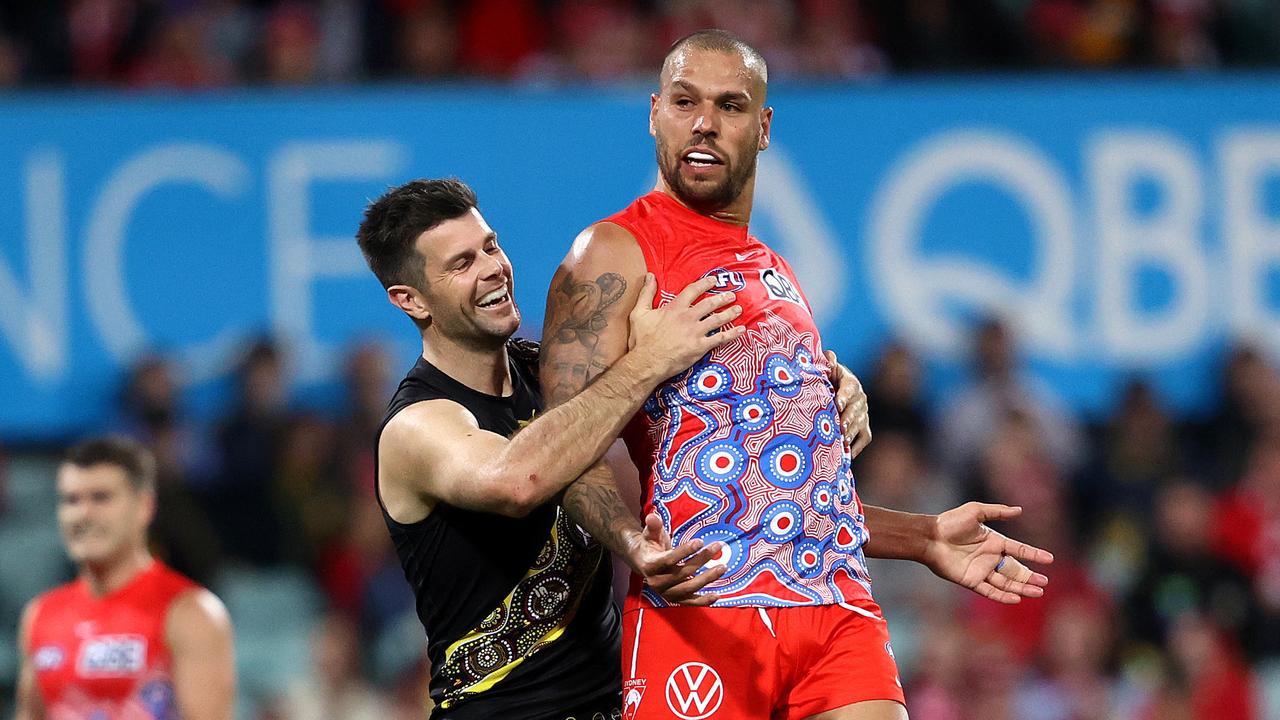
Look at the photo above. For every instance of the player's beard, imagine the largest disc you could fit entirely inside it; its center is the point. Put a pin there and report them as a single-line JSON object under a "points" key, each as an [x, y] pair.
{"points": [[706, 197]]}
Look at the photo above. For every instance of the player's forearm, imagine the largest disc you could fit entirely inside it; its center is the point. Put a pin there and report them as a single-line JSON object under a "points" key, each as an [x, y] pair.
{"points": [[550, 453], [593, 501], [898, 535]]}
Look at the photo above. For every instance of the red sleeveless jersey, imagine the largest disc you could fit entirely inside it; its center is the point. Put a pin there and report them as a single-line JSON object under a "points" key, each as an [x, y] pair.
{"points": [[746, 448], [105, 657]]}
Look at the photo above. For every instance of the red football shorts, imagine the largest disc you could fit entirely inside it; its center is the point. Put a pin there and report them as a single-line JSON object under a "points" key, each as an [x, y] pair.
{"points": [[691, 663]]}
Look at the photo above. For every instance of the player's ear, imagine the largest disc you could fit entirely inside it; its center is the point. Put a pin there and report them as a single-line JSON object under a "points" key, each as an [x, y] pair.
{"points": [[766, 123], [653, 113], [410, 301]]}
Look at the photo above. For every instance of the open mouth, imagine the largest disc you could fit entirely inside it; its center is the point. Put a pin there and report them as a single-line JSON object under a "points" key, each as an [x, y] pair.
{"points": [[494, 298], [701, 159]]}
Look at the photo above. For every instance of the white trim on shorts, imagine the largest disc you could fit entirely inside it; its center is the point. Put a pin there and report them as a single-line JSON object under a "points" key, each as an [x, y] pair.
{"points": [[860, 611], [635, 646]]}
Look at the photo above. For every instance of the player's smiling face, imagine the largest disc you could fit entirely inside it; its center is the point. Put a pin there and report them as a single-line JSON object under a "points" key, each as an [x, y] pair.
{"points": [[101, 515], [709, 122], [469, 289]]}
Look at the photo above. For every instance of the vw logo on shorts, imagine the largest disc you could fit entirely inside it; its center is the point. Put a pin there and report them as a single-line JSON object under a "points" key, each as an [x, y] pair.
{"points": [[694, 691]]}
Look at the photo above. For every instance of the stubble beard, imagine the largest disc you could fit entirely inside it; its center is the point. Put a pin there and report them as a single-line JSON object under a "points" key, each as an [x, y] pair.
{"points": [[704, 197]]}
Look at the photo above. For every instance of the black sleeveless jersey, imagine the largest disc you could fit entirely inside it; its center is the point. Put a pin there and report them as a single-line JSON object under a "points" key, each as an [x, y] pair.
{"points": [[518, 611]]}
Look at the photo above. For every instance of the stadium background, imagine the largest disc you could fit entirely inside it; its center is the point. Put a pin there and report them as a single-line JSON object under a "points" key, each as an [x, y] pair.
{"points": [[1046, 234]]}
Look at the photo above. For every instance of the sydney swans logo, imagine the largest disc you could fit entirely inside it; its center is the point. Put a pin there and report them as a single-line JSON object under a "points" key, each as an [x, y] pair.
{"points": [[694, 691]]}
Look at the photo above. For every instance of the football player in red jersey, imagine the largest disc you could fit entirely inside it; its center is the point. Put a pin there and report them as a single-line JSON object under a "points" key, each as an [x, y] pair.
{"points": [[128, 639], [743, 451]]}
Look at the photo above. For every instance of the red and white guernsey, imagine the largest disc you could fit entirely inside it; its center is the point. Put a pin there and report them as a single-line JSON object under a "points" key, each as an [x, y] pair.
{"points": [[105, 657], [746, 448]]}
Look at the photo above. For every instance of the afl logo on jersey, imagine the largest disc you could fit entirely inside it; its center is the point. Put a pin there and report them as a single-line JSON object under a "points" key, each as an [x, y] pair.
{"points": [[779, 286], [726, 280], [112, 655]]}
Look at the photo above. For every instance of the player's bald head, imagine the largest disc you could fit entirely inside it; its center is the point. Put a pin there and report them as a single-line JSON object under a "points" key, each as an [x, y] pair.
{"points": [[718, 41]]}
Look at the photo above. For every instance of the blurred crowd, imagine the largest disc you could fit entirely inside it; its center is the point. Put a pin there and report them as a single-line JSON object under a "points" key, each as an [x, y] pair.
{"points": [[1164, 596], [1163, 602], [195, 44]]}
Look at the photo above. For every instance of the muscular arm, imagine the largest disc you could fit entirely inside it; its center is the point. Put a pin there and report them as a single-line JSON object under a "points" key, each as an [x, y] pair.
{"points": [[897, 535], [198, 632], [437, 448], [29, 704], [585, 332]]}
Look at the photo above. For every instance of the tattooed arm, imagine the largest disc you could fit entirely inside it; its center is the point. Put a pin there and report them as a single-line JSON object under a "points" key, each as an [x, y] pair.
{"points": [[586, 330]]}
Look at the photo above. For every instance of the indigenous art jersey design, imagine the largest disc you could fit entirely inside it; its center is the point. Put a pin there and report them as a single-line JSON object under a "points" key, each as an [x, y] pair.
{"points": [[746, 448], [105, 657]]}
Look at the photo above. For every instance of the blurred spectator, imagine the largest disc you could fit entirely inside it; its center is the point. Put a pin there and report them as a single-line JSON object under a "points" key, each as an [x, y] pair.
{"points": [[1247, 532], [202, 43], [1210, 672], [1002, 389], [244, 500], [893, 395], [176, 55], [290, 47], [1075, 679], [835, 42], [182, 534], [1183, 576], [334, 688], [603, 41], [428, 42], [1250, 402], [939, 691], [1137, 449]]}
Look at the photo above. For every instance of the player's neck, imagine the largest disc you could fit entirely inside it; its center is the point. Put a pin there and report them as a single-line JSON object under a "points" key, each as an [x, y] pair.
{"points": [[482, 369], [106, 578], [737, 212]]}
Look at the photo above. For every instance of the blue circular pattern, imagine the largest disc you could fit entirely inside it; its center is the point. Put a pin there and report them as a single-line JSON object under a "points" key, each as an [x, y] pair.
{"points": [[844, 488], [847, 537], [782, 376], [807, 558], [785, 461], [822, 497], [709, 381], [722, 462], [782, 521], [826, 426], [752, 413], [804, 360], [734, 553]]}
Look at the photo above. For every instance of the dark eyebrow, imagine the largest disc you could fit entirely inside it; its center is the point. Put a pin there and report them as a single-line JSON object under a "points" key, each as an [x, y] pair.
{"points": [[734, 96]]}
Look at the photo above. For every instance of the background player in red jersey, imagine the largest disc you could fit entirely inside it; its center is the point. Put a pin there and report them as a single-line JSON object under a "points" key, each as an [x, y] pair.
{"points": [[128, 639], [742, 450]]}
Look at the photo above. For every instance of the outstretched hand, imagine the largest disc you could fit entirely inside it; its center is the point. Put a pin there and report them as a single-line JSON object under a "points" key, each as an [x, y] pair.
{"points": [[967, 552], [673, 572]]}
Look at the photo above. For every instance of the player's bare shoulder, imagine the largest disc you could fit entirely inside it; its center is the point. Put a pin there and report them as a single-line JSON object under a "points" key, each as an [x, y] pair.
{"points": [[413, 442]]}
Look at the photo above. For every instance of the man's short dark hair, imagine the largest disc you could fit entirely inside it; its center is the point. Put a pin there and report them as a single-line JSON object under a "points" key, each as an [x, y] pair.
{"points": [[393, 222], [716, 40], [138, 463]]}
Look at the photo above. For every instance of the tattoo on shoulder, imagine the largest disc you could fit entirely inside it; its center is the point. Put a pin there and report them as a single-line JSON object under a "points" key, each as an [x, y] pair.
{"points": [[577, 313]]}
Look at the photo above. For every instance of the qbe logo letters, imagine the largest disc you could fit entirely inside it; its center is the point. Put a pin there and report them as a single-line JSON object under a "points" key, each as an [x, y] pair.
{"points": [[694, 691], [112, 655], [779, 286]]}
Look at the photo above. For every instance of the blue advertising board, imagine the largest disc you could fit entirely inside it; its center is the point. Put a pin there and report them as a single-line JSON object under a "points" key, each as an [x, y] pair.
{"points": [[1127, 224]]}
